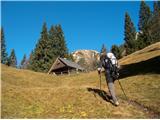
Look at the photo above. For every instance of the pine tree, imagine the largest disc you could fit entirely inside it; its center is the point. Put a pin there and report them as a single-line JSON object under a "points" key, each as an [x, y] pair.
{"points": [[57, 45], [3, 48], [130, 34], [49, 47], [116, 51], [12, 59], [29, 61], [154, 24], [122, 50], [52, 46], [144, 37], [23, 62], [40, 58], [103, 49], [144, 15], [158, 4], [156, 8], [70, 57], [62, 49]]}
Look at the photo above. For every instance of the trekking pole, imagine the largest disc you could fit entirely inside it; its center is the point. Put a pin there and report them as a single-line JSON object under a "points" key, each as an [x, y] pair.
{"points": [[100, 80], [123, 90]]}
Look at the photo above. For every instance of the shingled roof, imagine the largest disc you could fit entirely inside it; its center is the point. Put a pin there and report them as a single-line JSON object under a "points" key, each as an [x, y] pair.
{"points": [[63, 63]]}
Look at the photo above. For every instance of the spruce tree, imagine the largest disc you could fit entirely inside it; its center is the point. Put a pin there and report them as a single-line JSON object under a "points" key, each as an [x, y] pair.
{"points": [[12, 59], [103, 49], [129, 35], [154, 26], [49, 47], [23, 62], [156, 9], [144, 37], [29, 61], [52, 46], [144, 15], [3, 48], [62, 49], [116, 51], [70, 57], [122, 50], [40, 58], [158, 2]]}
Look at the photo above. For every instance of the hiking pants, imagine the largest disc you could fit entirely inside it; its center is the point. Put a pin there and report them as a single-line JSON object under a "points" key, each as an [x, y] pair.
{"points": [[110, 83]]}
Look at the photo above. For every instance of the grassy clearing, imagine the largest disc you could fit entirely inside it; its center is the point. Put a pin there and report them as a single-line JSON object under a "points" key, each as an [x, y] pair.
{"points": [[27, 94]]}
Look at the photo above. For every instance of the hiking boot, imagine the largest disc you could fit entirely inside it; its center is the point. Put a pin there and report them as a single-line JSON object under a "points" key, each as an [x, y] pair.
{"points": [[116, 103]]}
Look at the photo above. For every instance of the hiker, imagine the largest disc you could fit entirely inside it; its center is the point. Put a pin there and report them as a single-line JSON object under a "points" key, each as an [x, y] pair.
{"points": [[106, 59]]}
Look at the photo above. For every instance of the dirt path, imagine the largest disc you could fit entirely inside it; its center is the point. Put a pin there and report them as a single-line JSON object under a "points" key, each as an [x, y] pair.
{"points": [[151, 113]]}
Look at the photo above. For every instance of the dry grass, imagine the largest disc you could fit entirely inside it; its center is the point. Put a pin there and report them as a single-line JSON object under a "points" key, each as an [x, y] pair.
{"points": [[27, 94], [142, 55]]}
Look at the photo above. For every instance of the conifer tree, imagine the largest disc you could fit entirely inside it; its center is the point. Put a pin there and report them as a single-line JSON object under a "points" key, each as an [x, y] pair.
{"points": [[62, 50], [29, 61], [103, 49], [158, 2], [40, 58], [23, 62], [3, 48], [129, 35], [144, 15], [154, 24], [144, 37], [70, 57], [57, 45], [49, 47], [52, 46], [116, 51], [12, 59], [156, 9]]}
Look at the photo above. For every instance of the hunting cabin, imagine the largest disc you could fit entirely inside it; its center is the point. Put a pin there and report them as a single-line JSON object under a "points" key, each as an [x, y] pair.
{"points": [[64, 66]]}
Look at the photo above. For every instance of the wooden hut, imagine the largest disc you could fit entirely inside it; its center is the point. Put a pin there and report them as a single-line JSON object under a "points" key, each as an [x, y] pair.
{"points": [[64, 66]]}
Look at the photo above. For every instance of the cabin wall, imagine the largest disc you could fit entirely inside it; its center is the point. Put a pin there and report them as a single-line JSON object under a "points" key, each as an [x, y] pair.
{"points": [[64, 70]]}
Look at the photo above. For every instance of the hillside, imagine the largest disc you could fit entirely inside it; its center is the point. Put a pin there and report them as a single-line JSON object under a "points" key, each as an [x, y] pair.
{"points": [[27, 94], [88, 55], [141, 62], [142, 55], [86, 58]]}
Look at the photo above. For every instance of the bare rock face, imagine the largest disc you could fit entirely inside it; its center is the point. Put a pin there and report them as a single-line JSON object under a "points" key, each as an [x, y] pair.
{"points": [[86, 58]]}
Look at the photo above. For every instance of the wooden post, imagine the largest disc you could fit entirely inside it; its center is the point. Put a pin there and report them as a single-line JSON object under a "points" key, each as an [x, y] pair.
{"points": [[77, 71]]}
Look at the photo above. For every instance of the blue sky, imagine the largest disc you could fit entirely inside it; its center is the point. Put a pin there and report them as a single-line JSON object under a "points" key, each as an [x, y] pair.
{"points": [[86, 25]]}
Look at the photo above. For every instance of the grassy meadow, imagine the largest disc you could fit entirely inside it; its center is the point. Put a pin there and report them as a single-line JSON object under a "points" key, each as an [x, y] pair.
{"points": [[28, 94]]}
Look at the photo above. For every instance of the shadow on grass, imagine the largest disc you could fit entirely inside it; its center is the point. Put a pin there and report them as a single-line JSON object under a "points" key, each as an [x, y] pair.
{"points": [[143, 67], [101, 93]]}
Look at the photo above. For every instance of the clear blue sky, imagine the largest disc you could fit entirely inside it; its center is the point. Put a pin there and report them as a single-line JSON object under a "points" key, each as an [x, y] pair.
{"points": [[86, 25]]}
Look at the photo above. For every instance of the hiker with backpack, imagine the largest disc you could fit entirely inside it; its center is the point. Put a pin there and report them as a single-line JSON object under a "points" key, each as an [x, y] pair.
{"points": [[109, 62]]}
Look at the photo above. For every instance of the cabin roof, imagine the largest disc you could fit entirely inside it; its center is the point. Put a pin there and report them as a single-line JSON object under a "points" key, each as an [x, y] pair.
{"points": [[61, 62]]}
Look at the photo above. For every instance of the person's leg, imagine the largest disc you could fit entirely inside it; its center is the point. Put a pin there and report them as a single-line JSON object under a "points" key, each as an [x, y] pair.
{"points": [[112, 92], [110, 84]]}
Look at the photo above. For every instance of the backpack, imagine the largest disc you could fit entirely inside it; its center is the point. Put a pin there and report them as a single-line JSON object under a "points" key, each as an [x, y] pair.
{"points": [[112, 65]]}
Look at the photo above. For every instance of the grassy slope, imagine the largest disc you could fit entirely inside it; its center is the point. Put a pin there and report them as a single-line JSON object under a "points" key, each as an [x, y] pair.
{"points": [[27, 94], [142, 55]]}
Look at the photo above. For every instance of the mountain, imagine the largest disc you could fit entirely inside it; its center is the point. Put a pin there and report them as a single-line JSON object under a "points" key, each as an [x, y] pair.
{"points": [[86, 58]]}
